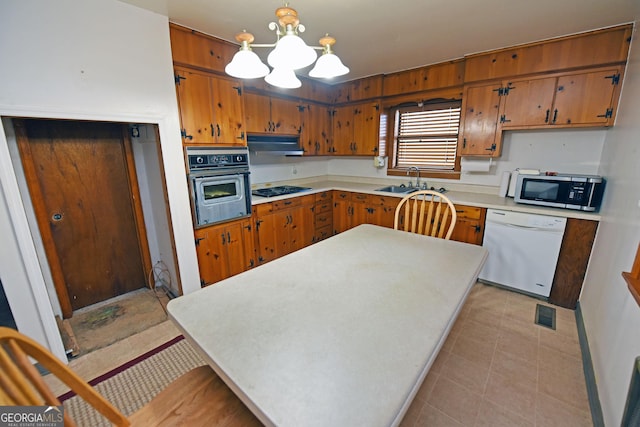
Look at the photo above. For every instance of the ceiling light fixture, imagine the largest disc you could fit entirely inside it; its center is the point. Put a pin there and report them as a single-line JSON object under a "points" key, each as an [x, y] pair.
{"points": [[290, 53]]}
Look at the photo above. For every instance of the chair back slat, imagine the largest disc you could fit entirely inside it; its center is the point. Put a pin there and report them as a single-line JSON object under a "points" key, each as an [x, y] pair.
{"points": [[426, 212], [22, 383]]}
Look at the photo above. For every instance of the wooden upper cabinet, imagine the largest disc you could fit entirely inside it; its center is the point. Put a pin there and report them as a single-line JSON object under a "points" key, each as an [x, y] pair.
{"points": [[266, 114], [527, 102], [191, 48], [596, 48], [480, 108], [356, 129], [578, 99], [286, 116], [315, 136], [588, 98], [366, 128], [257, 110], [211, 108], [358, 90], [438, 76]]}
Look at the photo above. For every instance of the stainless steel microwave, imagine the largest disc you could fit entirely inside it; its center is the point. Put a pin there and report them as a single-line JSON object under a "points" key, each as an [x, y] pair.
{"points": [[579, 192]]}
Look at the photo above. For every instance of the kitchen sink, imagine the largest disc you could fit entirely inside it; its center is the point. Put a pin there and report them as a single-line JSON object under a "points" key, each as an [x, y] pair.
{"points": [[398, 189]]}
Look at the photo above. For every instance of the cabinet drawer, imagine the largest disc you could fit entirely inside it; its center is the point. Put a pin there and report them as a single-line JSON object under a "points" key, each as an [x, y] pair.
{"points": [[286, 203], [341, 195], [324, 219], [468, 212], [386, 201], [323, 207], [360, 197], [325, 196], [262, 209], [323, 233]]}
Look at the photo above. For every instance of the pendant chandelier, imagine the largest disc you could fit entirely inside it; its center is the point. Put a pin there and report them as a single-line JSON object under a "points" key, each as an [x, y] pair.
{"points": [[289, 53]]}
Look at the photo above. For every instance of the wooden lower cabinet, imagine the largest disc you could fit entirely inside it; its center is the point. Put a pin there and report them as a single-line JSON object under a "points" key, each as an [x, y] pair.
{"points": [[225, 250], [352, 209], [323, 216], [469, 224], [573, 259], [284, 226]]}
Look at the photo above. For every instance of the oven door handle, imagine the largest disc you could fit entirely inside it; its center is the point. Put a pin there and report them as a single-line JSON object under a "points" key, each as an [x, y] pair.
{"points": [[219, 172]]}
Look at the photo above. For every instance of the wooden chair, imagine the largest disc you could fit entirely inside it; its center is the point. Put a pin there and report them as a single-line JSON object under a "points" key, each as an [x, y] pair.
{"points": [[426, 212], [198, 398]]}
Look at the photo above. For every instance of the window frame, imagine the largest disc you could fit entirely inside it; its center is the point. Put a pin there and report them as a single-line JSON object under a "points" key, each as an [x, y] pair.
{"points": [[390, 141]]}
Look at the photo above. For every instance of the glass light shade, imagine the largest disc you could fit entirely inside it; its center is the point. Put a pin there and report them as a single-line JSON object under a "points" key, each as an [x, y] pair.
{"points": [[291, 52], [327, 66], [283, 78], [246, 65]]}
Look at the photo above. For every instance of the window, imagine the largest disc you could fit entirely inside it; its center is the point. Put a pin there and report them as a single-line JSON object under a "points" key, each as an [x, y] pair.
{"points": [[426, 136]]}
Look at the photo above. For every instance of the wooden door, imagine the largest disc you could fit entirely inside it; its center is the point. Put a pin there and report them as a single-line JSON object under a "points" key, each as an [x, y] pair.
{"points": [[196, 113], [316, 129], [286, 116], [228, 112], [366, 129], [586, 98], [81, 179], [269, 229], [301, 229], [342, 130], [257, 111], [528, 103], [341, 215], [480, 107]]}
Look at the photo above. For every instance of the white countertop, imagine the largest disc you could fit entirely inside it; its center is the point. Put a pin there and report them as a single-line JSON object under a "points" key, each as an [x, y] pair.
{"points": [[341, 333], [469, 198]]}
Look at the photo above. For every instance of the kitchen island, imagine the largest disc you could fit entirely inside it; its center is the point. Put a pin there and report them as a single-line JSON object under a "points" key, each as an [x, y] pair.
{"points": [[342, 332]]}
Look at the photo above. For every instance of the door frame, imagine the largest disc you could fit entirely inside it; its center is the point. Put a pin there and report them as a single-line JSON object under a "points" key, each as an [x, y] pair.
{"points": [[43, 221]]}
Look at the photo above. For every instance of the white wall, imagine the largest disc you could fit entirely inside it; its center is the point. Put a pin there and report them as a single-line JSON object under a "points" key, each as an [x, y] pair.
{"points": [[565, 150], [87, 60], [611, 315]]}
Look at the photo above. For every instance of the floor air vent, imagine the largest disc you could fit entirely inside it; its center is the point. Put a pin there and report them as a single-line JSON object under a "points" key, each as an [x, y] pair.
{"points": [[546, 316]]}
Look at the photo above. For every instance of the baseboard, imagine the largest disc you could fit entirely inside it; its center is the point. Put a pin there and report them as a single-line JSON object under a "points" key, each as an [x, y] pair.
{"points": [[589, 375]]}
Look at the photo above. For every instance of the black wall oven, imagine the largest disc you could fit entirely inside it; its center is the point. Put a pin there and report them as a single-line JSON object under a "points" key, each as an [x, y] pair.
{"points": [[219, 184]]}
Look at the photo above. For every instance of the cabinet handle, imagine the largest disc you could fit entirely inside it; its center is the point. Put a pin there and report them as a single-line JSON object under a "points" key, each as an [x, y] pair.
{"points": [[218, 127], [198, 240], [212, 132], [228, 237], [224, 242], [464, 142], [546, 118], [555, 115]]}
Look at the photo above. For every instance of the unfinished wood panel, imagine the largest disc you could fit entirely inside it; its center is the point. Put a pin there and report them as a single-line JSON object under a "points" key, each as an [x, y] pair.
{"points": [[575, 251]]}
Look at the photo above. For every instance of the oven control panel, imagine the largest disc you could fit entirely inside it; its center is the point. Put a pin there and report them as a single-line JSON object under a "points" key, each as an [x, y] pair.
{"points": [[215, 158]]}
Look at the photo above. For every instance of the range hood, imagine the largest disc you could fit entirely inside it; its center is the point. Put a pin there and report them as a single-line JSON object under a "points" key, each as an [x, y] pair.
{"points": [[275, 145]]}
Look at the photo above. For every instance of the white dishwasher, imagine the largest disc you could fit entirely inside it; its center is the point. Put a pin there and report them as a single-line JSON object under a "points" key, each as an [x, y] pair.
{"points": [[523, 250]]}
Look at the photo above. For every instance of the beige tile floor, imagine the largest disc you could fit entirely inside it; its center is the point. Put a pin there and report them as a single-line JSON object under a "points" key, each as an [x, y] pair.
{"points": [[498, 368]]}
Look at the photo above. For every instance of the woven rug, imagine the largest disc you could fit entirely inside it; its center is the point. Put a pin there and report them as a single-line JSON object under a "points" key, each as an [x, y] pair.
{"points": [[132, 385]]}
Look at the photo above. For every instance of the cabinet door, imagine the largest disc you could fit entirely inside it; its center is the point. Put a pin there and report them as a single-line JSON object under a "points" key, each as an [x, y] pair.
{"points": [[342, 124], [341, 215], [315, 130], [268, 237], [196, 114], [210, 252], [257, 113], [469, 226], [366, 129], [239, 248], [528, 102], [480, 109], [285, 116], [198, 50], [300, 228], [586, 98], [228, 111]]}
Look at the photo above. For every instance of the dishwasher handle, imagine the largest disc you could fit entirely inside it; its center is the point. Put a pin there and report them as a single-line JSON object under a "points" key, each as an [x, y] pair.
{"points": [[526, 227]]}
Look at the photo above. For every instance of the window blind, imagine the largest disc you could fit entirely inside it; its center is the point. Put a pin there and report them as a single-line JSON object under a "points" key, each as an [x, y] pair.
{"points": [[427, 137]]}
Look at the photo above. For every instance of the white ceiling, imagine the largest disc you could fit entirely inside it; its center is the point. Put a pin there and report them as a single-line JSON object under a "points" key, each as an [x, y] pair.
{"points": [[375, 37]]}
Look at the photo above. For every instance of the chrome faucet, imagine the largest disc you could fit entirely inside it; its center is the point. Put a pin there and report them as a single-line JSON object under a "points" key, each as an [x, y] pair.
{"points": [[417, 176]]}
